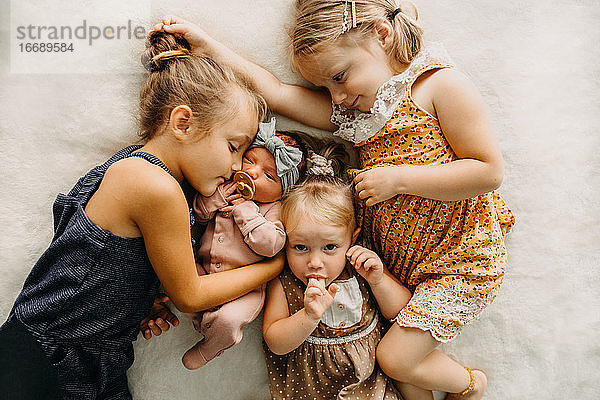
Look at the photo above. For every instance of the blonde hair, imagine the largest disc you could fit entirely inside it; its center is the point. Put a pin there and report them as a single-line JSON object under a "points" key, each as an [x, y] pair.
{"points": [[322, 199], [179, 77], [318, 24]]}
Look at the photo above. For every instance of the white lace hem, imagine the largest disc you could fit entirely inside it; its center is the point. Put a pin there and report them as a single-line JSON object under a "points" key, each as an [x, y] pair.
{"points": [[347, 338], [442, 304], [356, 126]]}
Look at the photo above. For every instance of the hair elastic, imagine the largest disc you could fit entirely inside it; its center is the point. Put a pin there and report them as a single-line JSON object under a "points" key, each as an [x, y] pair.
{"points": [[320, 165], [153, 63], [393, 14], [167, 55]]}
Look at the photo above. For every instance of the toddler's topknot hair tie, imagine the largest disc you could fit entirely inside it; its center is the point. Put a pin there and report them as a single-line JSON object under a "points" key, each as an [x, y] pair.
{"points": [[320, 165]]}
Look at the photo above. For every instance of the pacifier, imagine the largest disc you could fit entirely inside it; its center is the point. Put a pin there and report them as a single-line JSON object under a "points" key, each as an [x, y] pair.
{"points": [[245, 184]]}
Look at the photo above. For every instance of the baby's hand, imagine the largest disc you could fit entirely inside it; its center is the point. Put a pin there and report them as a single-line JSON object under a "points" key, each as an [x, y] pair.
{"points": [[233, 198], [317, 299], [378, 184], [228, 189], [159, 318], [367, 263], [195, 36]]}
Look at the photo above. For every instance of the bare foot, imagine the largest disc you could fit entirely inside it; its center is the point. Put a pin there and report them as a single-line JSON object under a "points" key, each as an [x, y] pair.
{"points": [[478, 390]]}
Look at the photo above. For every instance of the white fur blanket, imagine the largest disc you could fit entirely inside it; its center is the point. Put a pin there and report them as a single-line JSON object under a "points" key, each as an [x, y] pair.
{"points": [[537, 66]]}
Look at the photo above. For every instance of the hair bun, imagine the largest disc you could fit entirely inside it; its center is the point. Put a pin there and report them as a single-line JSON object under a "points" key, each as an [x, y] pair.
{"points": [[162, 48]]}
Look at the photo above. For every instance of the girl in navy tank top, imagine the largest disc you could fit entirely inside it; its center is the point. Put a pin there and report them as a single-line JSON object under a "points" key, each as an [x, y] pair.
{"points": [[124, 229]]}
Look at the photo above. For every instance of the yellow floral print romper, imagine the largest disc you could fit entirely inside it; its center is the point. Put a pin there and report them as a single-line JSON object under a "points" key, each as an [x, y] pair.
{"points": [[450, 254]]}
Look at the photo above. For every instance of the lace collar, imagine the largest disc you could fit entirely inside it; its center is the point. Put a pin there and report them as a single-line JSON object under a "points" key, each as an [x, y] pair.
{"points": [[356, 126]]}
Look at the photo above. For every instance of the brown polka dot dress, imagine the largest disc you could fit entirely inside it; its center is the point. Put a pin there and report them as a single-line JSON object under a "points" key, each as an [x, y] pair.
{"points": [[332, 363]]}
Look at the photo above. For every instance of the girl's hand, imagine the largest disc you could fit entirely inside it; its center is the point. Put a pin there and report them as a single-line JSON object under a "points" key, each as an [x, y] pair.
{"points": [[159, 318], [367, 263], [317, 299], [196, 37], [381, 183]]}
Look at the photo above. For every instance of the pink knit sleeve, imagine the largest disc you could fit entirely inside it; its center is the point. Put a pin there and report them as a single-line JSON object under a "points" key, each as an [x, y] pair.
{"points": [[264, 234], [205, 208]]}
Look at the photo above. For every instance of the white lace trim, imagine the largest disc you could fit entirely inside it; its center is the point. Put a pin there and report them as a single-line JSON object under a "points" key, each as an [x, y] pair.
{"points": [[442, 302], [357, 126], [345, 339]]}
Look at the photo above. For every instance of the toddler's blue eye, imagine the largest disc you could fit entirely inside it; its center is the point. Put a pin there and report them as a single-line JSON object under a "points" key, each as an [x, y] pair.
{"points": [[331, 247], [300, 247]]}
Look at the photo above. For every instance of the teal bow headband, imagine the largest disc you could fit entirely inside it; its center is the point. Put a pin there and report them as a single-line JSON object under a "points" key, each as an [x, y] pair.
{"points": [[287, 158]]}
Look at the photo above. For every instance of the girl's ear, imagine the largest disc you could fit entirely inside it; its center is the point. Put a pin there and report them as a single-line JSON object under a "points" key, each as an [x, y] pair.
{"points": [[384, 32], [180, 121], [355, 235]]}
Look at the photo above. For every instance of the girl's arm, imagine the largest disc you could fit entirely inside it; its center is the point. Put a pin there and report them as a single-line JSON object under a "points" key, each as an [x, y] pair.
{"points": [[283, 332], [463, 118], [390, 294], [310, 107], [160, 210]]}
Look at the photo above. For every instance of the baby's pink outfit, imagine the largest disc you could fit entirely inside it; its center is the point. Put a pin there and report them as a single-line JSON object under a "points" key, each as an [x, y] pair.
{"points": [[245, 235]]}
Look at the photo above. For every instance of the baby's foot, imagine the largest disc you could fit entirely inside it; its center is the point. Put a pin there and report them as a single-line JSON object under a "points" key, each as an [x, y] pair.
{"points": [[194, 358], [478, 390]]}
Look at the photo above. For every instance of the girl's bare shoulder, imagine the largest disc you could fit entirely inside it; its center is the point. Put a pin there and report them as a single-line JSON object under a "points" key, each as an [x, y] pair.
{"points": [[139, 178], [131, 190], [448, 82], [136, 190]]}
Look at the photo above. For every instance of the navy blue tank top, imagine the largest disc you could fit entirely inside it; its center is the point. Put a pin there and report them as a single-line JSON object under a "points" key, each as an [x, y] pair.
{"points": [[86, 295]]}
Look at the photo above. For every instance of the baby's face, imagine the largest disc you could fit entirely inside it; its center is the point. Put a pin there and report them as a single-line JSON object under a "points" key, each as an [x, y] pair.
{"points": [[317, 251], [259, 164]]}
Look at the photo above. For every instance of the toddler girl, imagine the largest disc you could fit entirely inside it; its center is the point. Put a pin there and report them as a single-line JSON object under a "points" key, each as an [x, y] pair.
{"points": [[124, 228], [321, 326], [241, 231], [429, 164]]}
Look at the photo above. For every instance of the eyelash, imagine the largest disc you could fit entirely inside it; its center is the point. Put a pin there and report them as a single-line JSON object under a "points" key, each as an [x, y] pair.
{"points": [[338, 78], [335, 246], [233, 149], [267, 175]]}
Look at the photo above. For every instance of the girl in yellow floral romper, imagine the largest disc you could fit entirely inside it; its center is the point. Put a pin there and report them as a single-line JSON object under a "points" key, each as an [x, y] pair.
{"points": [[430, 164]]}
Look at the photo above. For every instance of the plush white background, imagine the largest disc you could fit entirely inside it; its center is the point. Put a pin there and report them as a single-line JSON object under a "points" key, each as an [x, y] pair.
{"points": [[537, 66]]}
